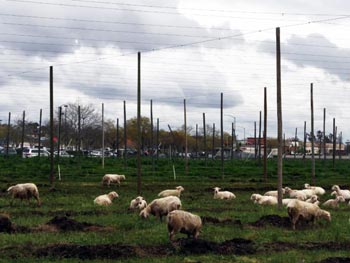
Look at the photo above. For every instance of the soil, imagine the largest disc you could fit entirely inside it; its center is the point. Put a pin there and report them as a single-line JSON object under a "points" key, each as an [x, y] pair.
{"points": [[336, 260], [6, 226], [273, 220], [223, 221]]}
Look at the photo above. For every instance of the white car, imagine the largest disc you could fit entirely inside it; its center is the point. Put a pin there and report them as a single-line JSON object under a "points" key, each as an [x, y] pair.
{"points": [[63, 154], [29, 152]]}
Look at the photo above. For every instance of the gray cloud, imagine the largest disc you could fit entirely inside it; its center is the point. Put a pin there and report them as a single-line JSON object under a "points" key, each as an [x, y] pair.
{"points": [[315, 50]]}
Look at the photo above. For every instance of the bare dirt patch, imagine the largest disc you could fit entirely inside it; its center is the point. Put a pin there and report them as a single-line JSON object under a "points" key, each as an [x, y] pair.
{"points": [[272, 220], [221, 221], [336, 260], [6, 225]]}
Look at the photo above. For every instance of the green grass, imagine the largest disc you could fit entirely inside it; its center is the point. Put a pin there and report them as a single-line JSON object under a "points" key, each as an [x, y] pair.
{"points": [[81, 183]]}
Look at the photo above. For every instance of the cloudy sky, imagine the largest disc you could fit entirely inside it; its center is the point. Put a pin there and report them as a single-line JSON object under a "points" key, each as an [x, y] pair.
{"points": [[190, 49]]}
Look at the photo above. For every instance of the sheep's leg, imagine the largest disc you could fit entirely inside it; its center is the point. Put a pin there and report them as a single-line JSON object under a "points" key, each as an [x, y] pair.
{"points": [[294, 221]]}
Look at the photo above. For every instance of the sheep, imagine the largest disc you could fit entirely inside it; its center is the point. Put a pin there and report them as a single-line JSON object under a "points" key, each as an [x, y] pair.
{"points": [[112, 178], [334, 203], [318, 190], [343, 193], [173, 192], [136, 203], [295, 193], [299, 209], [254, 197], [266, 200], [183, 222], [274, 193], [161, 207], [223, 194], [313, 200], [106, 199], [25, 191], [286, 201]]}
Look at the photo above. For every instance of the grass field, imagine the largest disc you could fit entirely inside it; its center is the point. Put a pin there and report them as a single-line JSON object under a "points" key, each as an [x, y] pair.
{"points": [[233, 230]]}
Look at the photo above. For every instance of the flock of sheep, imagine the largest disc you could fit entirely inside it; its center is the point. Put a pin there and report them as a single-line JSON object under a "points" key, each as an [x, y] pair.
{"points": [[302, 204]]}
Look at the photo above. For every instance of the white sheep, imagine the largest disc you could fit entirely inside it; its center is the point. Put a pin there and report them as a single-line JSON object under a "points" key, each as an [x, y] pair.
{"points": [[286, 201], [298, 209], [254, 197], [223, 194], [25, 191], [266, 200], [334, 203], [295, 194], [112, 178], [343, 193], [106, 199], [274, 193], [161, 207], [313, 200], [172, 192], [184, 222], [318, 190], [137, 203]]}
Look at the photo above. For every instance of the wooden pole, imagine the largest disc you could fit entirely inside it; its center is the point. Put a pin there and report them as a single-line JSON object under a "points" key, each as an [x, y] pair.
{"points": [[312, 136], [125, 139], [39, 135], [197, 141], [157, 138], [117, 140], [334, 143], [222, 135], [279, 117], [103, 135], [205, 140], [265, 135], [23, 127], [52, 171], [295, 143], [340, 138], [255, 142], [232, 136], [186, 142], [152, 136], [59, 134], [8, 135], [304, 153], [324, 136], [139, 123], [79, 130]]}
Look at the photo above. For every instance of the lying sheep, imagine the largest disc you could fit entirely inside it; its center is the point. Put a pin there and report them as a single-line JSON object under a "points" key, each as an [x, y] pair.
{"points": [[161, 207], [106, 199], [183, 222], [318, 190], [112, 178], [295, 194], [334, 203], [343, 193], [137, 203], [274, 193], [254, 197], [223, 194], [25, 191], [306, 211], [266, 200], [173, 192]]}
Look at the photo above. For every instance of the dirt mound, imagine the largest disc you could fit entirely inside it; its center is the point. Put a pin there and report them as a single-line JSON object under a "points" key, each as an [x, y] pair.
{"points": [[272, 220], [6, 226], [64, 223], [224, 221], [336, 260], [236, 246]]}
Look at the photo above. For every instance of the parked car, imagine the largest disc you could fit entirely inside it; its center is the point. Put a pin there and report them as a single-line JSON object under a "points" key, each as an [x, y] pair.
{"points": [[11, 151], [29, 152], [95, 153], [63, 154]]}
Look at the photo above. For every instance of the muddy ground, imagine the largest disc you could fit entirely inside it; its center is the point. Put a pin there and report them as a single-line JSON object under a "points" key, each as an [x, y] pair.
{"points": [[182, 246]]}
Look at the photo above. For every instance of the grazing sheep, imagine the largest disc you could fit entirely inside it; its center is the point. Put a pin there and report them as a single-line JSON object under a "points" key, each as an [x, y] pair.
{"points": [[274, 193], [334, 203], [298, 210], [313, 200], [106, 199], [161, 207], [25, 191], [343, 193], [135, 203], [142, 205], [223, 194], [173, 192], [254, 197], [295, 194], [318, 190], [183, 222], [112, 178]]}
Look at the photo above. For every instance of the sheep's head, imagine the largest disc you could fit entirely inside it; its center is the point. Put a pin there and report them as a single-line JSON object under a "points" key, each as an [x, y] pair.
{"points": [[306, 186], [325, 215], [113, 195], [122, 176], [216, 190], [314, 198], [335, 188], [340, 199], [287, 189], [144, 214], [253, 197], [180, 188], [10, 189], [334, 193], [138, 199]]}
